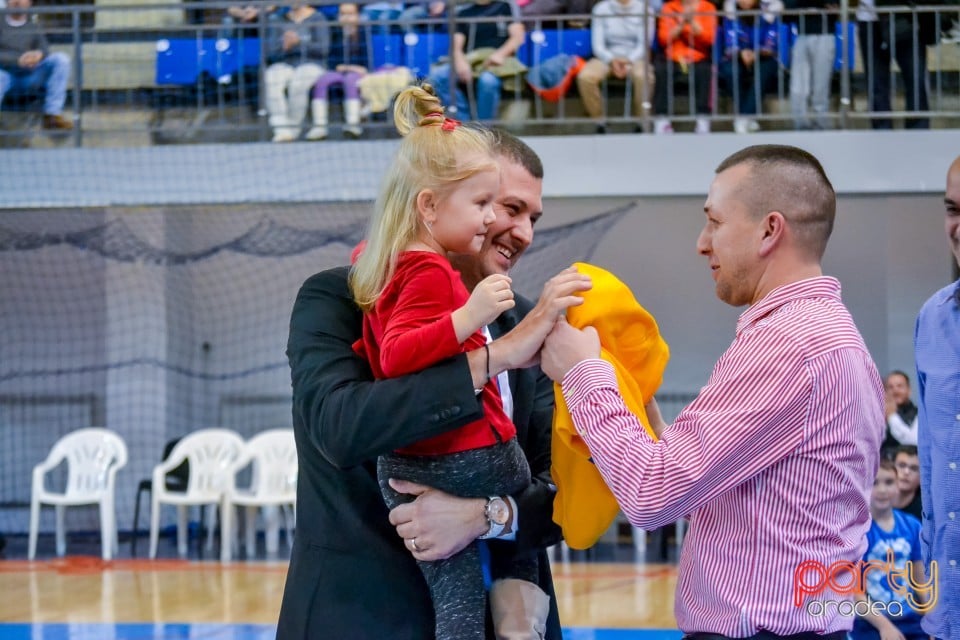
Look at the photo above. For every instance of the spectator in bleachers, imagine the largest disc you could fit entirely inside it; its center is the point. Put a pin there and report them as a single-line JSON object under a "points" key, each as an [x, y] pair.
{"points": [[903, 37], [488, 35], [418, 11], [347, 64], [893, 599], [382, 12], [906, 459], [811, 60], [687, 31], [28, 67], [901, 412], [533, 9], [620, 34], [298, 44], [243, 21], [749, 65]]}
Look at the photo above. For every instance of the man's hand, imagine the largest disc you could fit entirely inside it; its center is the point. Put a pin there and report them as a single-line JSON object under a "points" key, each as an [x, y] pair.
{"points": [[567, 346], [462, 69], [495, 59], [290, 40], [519, 348], [620, 67], [30, 59], [440, 523], [889, 405], [747, 56]]}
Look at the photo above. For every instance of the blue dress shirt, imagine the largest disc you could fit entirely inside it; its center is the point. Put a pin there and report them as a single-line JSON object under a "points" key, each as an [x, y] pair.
{"points": [[937, 350]]}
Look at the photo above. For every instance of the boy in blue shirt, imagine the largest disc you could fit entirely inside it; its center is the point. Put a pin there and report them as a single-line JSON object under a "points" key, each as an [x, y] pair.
{"points": [[890, 616]]}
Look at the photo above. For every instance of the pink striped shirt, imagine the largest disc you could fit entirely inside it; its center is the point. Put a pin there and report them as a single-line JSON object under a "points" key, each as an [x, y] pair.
{"points": [[773, 462]]}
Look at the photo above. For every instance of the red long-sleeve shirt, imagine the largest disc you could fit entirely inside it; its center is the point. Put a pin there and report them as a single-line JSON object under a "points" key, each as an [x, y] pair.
{"points": [[411, 328]]}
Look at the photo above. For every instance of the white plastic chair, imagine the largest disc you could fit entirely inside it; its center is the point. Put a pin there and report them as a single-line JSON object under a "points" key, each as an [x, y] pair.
{"points": [[211, 454], [272, 456], [93, 455]]}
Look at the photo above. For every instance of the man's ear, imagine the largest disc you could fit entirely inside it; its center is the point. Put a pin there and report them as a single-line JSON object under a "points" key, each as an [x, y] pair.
{"points": [[774, 228], [427, 206]]}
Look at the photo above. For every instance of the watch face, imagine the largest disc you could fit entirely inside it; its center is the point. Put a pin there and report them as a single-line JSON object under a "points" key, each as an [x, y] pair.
{"points": [[499, 512]]}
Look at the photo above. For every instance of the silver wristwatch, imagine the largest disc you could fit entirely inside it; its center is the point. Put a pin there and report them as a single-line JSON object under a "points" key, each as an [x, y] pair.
{"points": [[497, 513]]}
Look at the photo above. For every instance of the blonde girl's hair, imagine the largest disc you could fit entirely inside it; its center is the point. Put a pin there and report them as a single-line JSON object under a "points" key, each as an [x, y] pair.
{"points": [[436, 153]]}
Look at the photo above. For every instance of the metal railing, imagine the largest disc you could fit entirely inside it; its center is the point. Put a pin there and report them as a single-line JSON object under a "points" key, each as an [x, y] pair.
{"points": [[117, 99]]}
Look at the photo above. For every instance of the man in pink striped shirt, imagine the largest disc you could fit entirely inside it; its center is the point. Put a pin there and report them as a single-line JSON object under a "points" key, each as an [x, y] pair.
{"points": [[774, 460]]}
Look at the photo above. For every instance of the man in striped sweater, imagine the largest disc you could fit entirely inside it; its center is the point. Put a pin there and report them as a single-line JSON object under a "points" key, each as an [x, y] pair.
{"points": [[774, 460]]}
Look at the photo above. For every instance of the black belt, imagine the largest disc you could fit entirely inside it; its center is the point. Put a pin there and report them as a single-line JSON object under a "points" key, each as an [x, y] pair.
{"points": [[767, 635]]}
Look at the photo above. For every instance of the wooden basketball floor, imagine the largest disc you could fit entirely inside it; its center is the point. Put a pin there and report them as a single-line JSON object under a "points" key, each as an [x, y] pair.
{"points": [[80, 597]]}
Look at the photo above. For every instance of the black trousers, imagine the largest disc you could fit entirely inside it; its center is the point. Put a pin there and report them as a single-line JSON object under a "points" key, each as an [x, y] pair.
{"points": [[671, 76]]}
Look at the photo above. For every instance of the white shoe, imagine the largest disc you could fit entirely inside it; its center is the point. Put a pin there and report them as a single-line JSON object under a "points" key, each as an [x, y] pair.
{"points": [[741, 125], [315, 133], [662, 126], [284, 135], [352, 131], [703, 125], [752, 125]]}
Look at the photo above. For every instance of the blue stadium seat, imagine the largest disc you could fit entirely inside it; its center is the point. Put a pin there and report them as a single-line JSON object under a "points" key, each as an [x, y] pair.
{"points": [[545, 44], [181, 60], [850, 45], [423, 49], [386, 49]]}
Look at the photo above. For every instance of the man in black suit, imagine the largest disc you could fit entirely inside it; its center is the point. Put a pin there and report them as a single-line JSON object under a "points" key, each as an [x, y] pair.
{"points": [[352, 575]]}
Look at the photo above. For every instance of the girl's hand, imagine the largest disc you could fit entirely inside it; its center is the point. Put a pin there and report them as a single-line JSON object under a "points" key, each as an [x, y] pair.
{"points": [[491, 297]]}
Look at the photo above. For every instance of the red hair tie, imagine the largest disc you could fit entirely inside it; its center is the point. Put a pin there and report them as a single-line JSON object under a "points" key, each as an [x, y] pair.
{"points": [[449, 124]]}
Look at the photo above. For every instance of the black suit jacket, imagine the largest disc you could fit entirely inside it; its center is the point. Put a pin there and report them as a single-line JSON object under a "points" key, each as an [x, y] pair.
{"points": [[350, 575]]}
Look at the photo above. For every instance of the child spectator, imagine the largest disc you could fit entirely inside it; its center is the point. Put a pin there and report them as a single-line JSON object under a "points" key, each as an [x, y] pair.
{"points": [[347, 64], [907, 463], [891, 616]]}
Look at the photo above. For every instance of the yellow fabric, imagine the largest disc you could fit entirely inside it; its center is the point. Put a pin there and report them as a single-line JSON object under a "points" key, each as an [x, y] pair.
{"points": [[378, 88], [630, 340]]}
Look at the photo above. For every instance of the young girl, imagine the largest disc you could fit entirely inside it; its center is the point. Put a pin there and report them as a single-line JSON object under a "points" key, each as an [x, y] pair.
{"points": [[436, 199]]}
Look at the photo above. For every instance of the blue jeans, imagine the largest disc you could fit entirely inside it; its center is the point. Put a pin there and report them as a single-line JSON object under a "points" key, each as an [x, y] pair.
{"points": [[51, 74], [487, 93]]}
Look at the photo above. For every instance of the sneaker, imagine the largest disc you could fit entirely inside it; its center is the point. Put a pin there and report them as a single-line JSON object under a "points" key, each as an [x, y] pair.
{"points": [[662, 126], [752, 125], [316, 133], [284, 135], [740, 125], [352, 131], [56, 122], [703, 125]]}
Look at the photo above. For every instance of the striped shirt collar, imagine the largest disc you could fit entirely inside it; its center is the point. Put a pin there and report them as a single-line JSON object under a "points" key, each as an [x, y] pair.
{"points": [[818, 287]]}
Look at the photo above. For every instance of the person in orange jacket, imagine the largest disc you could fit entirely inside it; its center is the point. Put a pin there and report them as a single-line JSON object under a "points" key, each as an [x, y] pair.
{"points": [[686, 32]]}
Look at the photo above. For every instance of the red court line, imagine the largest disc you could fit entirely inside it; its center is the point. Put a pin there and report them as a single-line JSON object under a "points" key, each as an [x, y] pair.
{"points": [[78, 565]]}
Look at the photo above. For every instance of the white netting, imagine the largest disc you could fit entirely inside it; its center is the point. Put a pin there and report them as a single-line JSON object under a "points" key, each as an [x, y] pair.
{"points": [[156, 321]]}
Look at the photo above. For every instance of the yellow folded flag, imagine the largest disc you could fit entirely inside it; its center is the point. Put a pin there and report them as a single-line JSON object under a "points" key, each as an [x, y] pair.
{"points": [[584, 507]]}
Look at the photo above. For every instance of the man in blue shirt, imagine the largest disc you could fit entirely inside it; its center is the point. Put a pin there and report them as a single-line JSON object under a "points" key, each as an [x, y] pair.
{"points": [[937, 350]]}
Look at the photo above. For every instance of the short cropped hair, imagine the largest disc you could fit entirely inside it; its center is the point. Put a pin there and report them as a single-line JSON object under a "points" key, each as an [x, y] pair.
{"points": [[792, 181]]}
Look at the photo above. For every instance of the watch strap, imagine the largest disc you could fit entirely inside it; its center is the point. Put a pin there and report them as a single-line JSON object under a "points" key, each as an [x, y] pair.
{"points": [[495, 528]]}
